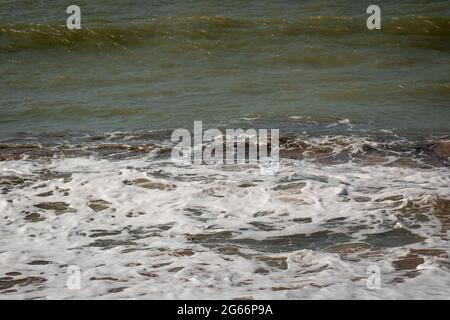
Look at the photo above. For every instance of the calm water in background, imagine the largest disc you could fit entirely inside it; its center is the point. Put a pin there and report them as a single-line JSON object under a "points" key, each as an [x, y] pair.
{"points": [[297, 65]]}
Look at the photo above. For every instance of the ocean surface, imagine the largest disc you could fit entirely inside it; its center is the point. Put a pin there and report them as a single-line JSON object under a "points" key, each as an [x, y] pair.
{"points": [[85, 171]]}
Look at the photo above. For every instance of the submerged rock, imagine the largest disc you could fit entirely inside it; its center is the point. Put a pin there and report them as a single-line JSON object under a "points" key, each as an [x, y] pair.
{"points": [[58, 207], [99, 205], [116, 290], [33, 217], [183, 253], [39, 262], [104, 233], [346, 248], [8, 282], [274, 262], [13, 273], [264, 226], [105, 244], [45, 194], [10, 152], [393, 238], [441, 209], [8, 183], [302, 220], [409, 262], [210, 237], [295, 186], [149, 184], [442, 148], [430, 252]]}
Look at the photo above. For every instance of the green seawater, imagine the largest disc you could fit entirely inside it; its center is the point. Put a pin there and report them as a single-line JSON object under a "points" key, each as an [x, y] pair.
{"points": [[301, 66]]}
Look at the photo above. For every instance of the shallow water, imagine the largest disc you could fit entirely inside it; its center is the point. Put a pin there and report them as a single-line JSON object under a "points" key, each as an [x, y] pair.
{"points": [[140, 226], [86, 177]]}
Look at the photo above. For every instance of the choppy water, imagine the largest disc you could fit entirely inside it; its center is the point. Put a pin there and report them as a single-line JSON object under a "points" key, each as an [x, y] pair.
{"points": [[140, 65], [86, 179]]}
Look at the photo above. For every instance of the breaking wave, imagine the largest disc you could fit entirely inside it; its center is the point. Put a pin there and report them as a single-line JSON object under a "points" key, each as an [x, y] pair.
{"points": [[432, 31]]}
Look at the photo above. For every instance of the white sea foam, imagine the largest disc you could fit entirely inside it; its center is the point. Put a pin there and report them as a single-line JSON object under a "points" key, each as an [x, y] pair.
{"points": [[147, 228]]}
